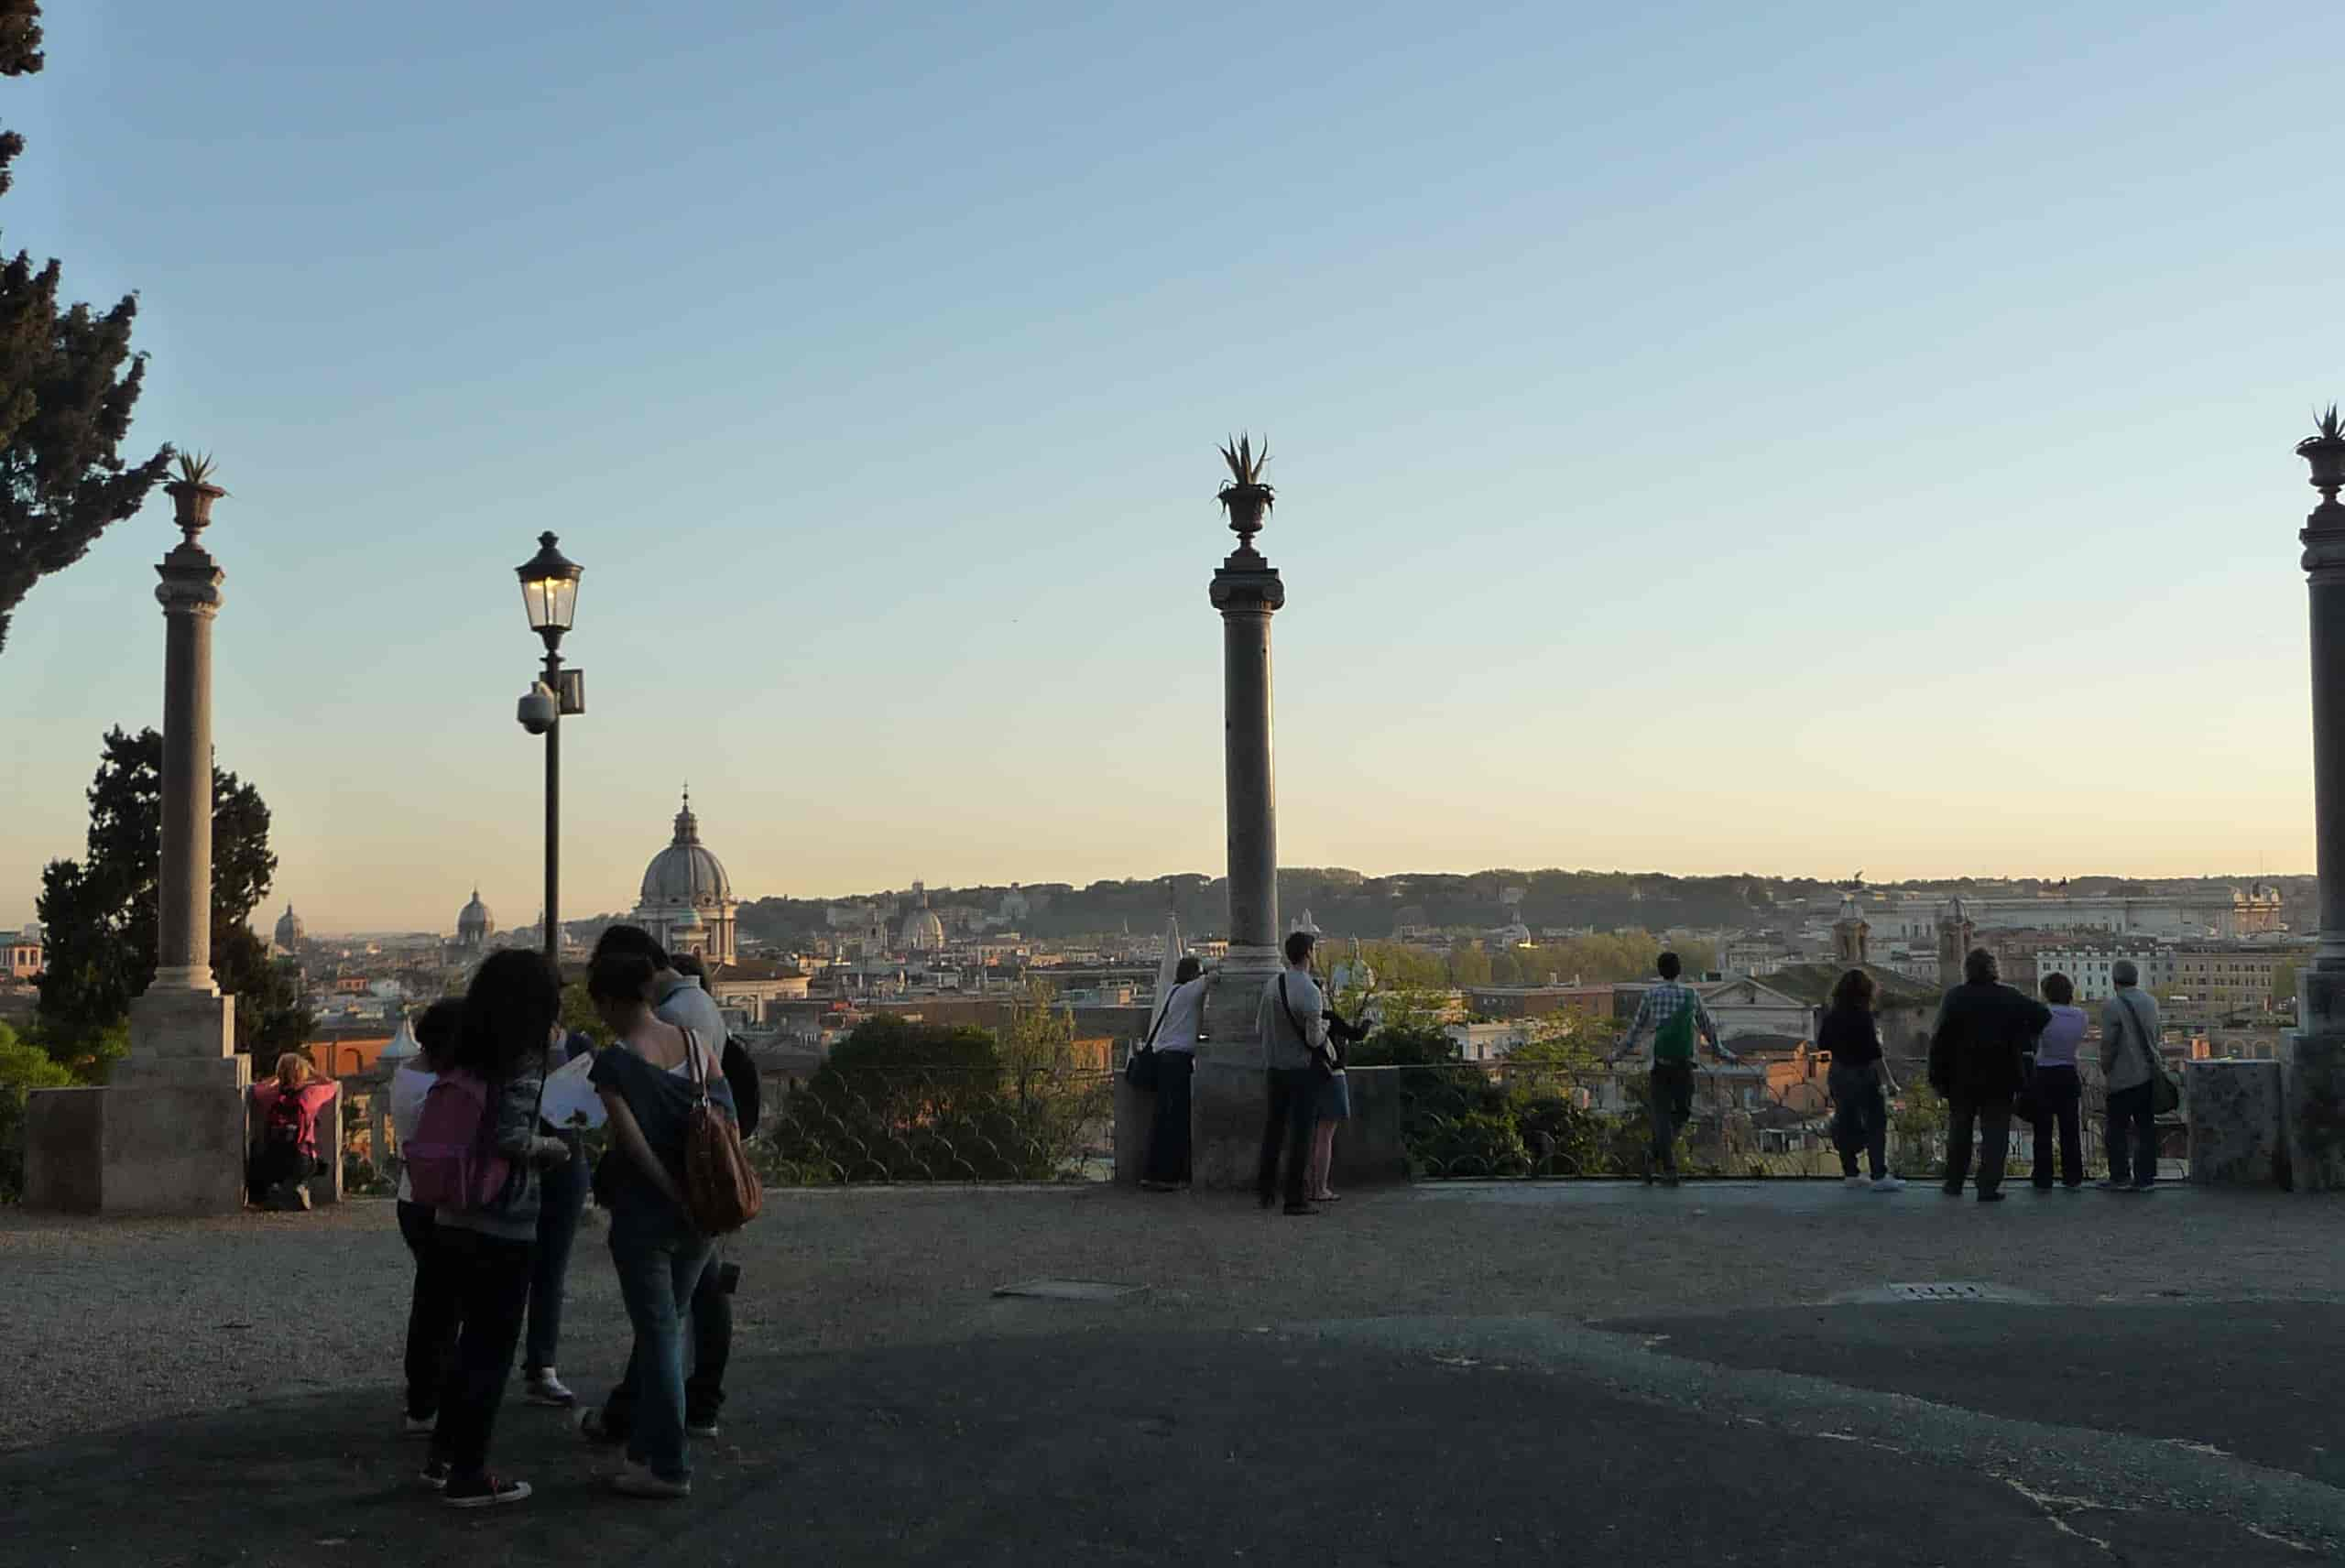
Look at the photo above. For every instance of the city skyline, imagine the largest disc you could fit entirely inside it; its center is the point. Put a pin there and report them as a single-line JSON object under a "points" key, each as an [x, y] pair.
{"points": [[1696, 445]]}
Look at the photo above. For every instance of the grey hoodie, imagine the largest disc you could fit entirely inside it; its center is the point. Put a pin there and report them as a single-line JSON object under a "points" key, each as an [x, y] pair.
{"points": [[2128, 1020]]}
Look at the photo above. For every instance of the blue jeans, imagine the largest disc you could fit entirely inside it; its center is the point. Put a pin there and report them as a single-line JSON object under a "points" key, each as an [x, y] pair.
{"points": [[657, 1274], [1860, 1117], [564, 1190]]}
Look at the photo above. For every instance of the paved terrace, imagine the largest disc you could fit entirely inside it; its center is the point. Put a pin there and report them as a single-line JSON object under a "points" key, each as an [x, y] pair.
{"points": [[1550, 1372]]}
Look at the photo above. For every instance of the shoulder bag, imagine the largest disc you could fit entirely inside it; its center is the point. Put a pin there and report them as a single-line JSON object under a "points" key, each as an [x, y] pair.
{"points": [[2165, 1095], [1139, 1071], [721, 1188], [1321, 1063]]}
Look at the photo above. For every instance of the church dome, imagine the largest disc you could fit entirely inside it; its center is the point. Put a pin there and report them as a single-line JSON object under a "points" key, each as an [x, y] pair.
{"points": [[923, 931], [685, 872], [474, 916], [289, 930], [1954, 913]]}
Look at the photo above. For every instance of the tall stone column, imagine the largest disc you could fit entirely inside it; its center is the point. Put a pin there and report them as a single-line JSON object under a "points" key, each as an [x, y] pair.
{"points": [[1229, 1092], [166, 1134], [2313, 1082]]}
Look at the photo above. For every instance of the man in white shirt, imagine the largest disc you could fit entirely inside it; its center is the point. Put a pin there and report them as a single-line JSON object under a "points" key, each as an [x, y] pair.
{"points": [[1291, 1022]]}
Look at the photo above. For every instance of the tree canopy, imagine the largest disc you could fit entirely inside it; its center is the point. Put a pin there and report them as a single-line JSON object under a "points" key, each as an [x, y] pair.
{"points": [[100, 912], [68, 382]]}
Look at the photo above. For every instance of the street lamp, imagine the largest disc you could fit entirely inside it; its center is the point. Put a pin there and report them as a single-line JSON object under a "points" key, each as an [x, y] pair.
{"points": [[549, 594]]}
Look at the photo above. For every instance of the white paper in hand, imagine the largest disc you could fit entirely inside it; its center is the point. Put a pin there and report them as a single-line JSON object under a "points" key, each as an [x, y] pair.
{"points": [[571, 1100]]}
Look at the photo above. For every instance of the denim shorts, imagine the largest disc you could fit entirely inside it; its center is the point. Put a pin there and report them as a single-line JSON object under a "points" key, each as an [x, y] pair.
{"points": [[1334, 1099]]}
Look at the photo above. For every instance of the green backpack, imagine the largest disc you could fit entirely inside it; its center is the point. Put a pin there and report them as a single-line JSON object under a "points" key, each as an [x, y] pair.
{"points": [[1673, 1040]]}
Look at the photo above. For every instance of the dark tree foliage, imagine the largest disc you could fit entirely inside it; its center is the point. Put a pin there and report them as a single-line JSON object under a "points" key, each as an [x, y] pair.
{"points": [[68, 382], [100, 911]]}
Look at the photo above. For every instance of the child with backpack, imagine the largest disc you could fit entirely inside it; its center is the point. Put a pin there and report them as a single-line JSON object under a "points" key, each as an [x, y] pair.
{"points": [[474, 1158], [285, 1154]]}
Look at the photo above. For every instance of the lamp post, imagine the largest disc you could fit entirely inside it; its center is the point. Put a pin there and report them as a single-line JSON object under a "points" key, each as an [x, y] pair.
{"points": [[550, 595], [2314, 1077]]}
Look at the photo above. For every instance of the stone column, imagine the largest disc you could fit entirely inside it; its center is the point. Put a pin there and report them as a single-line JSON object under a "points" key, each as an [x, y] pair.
{"points": [[1229, 1093], [2314, 1081], [166, 1134]]}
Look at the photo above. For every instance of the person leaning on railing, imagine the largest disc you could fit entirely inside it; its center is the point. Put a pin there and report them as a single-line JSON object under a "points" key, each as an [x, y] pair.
{"points": [[1673, 1011], [1860, 1080], [2058, 1091], [1173, 1037]]}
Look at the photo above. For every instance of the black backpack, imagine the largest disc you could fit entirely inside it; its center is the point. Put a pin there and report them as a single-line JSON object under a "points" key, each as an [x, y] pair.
{"points": [[283, 1130]]}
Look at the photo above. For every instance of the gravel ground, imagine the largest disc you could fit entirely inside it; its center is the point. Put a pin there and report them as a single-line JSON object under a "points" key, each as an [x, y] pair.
{"points": [[108, 1323]]}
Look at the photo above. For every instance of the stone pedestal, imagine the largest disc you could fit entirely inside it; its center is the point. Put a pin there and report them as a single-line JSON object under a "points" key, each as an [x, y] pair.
{"points": [[2235, 1124], [2313, 1087], [160, 1140]]}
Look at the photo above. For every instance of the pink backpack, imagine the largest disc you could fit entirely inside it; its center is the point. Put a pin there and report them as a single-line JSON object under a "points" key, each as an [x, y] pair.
{"points": [[451, 1161]]}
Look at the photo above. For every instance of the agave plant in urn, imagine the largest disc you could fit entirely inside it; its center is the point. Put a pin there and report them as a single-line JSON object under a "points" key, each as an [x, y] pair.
{"points": [[1245, 498], [193, 494]]}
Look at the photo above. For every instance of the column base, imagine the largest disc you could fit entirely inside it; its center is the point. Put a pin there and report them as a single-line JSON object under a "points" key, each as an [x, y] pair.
{"points": [[181, 1024], [151, 1147], [2313, 1100]]}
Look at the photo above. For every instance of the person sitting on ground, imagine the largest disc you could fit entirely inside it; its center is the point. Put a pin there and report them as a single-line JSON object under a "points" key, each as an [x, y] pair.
{"points": [[2059, 1091], [432, 1319], [1858, 1082], [2128, 1048], [1983, 1030], [1674, 1012], [680, 998], [651, 1083], [285, 1153]]}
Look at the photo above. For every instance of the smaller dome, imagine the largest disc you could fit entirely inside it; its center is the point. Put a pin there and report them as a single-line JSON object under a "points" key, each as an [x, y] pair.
{"points": [[474, 916], [289, 930], [1954, 913], [686, 918], [1850, 913]]}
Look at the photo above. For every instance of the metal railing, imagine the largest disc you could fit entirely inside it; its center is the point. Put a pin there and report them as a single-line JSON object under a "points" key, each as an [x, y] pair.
{"points": [[1499, 1120], [937, 1124]]}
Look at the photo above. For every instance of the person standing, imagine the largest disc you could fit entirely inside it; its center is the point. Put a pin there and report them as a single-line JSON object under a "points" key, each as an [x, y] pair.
{"points": [[1173, 1037], [432, 1310], [1674, 1012], [1858, 1079], [561, 1203], [681, 999], [1296, 1056], [651, 1083], [1983, 1030], [2129, 1050], [508, 1028], [2059, 1091]]}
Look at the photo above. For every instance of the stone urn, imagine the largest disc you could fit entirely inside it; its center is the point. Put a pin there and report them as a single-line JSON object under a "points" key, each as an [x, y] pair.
{"points": [[2326, 453], [192, 503], [1246, 506]]}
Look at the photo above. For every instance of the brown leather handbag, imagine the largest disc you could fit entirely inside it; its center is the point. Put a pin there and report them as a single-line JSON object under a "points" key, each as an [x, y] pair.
{"points": [[721, 1188]]}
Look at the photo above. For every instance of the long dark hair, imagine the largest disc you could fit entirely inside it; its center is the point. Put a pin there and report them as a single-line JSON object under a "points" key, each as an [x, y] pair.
{"points": [[509, 1014], [1854, 989]]}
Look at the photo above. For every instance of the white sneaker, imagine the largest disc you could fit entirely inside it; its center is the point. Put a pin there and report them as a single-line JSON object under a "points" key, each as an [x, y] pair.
{"points": [[1853, 1180], [1888, 1183], [544, 1389], [417, 1426]]}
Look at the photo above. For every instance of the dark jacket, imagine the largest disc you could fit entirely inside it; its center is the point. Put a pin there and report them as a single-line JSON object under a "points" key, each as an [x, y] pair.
{"points": [[1983, 1030]]}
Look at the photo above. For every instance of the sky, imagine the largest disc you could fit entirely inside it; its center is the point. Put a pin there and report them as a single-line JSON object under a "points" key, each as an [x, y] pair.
{"points": [[1781, 439]]}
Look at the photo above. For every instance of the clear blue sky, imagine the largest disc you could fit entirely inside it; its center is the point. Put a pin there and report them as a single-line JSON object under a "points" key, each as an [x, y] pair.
{"points": [[1708, 438]]}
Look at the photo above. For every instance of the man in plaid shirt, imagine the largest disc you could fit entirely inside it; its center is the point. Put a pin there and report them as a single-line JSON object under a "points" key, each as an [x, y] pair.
{"points": [[1674, 1012]]}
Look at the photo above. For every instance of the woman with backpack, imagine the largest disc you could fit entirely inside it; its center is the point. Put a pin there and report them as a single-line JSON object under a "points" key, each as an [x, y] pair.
{"points": [[1858, 1081], [287, 1150], [483, 1234], [651, 1082]]}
